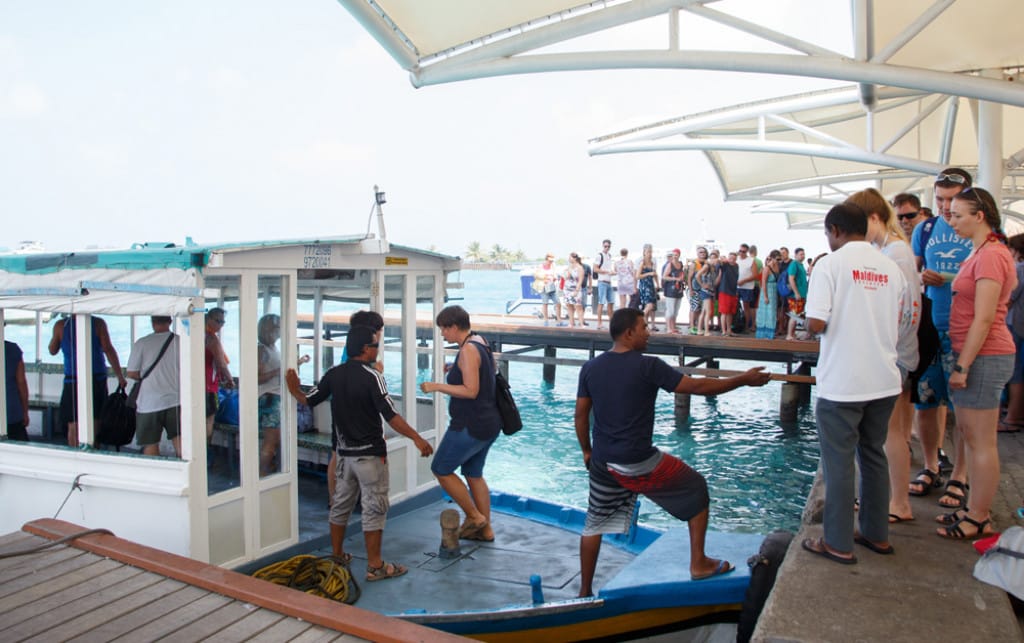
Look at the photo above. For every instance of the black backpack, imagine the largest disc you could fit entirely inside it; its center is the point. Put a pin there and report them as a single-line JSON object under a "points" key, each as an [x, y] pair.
{"points": [[117, 420]]}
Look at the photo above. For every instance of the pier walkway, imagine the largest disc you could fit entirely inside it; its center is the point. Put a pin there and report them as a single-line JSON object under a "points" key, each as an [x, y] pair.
{"points": [[925, 592]]}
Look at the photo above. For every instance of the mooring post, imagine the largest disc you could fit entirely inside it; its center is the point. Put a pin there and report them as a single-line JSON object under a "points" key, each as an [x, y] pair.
{"points": [[789, 401], [682, 401], [805, 389], [549, 369]]}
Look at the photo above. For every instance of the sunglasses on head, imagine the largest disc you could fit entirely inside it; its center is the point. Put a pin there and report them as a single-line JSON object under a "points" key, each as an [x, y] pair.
{"points": [[908, 215], [959, 179]]}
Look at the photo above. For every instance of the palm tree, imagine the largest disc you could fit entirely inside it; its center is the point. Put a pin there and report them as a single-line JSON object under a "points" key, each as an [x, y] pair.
{"points": [[474, 252], [498, 254]]}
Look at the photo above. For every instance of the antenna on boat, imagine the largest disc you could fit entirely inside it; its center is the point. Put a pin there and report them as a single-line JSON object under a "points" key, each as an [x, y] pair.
{"points": [[370, 244]]}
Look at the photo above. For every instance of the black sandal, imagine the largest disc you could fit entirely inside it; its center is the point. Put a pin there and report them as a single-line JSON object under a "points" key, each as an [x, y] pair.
{"points": [[954, 532], [960, 498], [950, 518], [924, 487]]}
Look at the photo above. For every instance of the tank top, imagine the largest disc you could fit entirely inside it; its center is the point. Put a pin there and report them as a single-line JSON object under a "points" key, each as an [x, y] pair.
{"points": [[67, 346], [479, 415]]}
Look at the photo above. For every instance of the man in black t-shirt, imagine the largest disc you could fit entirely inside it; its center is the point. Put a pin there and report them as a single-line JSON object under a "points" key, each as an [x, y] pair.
{"points": [[620, 387], [359, 398]]}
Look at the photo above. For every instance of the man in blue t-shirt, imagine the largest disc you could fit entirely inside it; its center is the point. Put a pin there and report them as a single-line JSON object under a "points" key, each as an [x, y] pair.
{"points": [[620, 387], [939, 251]]}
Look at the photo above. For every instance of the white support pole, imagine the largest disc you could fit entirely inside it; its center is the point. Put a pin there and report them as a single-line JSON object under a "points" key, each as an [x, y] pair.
{"points": [[409, 387], [83, 375], [949, 130], [192, 387], [3, 377], [318, 333], [990, 144], [673, 29]]}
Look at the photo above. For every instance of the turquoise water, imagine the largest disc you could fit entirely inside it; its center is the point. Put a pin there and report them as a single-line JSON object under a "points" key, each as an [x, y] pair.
{"points": [[758, 470]]}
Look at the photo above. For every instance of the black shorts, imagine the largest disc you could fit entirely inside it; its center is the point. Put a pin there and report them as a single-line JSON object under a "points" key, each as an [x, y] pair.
{"points": [[212, 403], [69, 399]]}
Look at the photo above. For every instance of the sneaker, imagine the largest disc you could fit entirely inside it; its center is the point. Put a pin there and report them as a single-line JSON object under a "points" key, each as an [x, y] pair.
{"points": [[945, 466]]}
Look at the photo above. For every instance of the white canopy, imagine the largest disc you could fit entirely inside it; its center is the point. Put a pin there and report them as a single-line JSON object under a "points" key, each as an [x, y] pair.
{"points": [[928, 45]]}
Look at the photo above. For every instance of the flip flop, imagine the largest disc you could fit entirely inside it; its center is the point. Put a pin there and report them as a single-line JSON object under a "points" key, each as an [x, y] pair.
{"points": [[875, 547], [724, 567], [895, 518], [1009, 427], [816, 546]]}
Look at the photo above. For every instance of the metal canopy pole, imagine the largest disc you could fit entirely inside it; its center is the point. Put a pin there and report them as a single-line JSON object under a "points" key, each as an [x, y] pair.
{"points": [[990, 143]]}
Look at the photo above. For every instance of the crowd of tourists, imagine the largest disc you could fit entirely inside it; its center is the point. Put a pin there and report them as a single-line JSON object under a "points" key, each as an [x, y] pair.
{"points": [[731, 293]]}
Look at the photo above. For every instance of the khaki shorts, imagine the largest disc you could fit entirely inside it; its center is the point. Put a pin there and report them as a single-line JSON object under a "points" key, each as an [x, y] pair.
{"points": [[363, 478]]}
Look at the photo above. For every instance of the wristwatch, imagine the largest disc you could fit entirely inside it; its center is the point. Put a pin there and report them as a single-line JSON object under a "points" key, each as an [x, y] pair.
{"points": [[957, 368]]}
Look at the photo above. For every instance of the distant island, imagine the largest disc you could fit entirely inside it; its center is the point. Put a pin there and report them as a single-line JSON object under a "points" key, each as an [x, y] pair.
{"points": [[497, 258]]}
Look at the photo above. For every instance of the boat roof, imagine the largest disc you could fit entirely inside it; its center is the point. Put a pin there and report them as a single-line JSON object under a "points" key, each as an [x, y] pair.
{"points": [[161, 255], [164, 278]]}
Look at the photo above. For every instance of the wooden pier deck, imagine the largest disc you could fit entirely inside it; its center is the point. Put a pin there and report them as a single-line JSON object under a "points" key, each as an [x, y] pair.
{"points": [[515, 337], [100, 588]]}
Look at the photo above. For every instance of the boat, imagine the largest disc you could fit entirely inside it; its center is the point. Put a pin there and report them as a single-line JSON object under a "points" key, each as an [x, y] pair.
{"points": [[521, 584]]}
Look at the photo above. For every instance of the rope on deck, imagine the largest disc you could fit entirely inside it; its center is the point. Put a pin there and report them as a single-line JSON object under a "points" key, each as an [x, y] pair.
{"points": [[326, 576]]}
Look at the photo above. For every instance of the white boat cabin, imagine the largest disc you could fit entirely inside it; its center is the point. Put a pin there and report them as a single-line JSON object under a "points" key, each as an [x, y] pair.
{"points": [[230, 514]]}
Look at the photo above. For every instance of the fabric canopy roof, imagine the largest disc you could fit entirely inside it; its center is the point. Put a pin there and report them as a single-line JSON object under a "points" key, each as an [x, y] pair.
{"points": [[902, 44], [812, 149]]}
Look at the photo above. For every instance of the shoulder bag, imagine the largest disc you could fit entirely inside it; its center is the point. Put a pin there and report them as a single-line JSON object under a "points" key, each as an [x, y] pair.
{"points": [[511, 421], [117, 419]]}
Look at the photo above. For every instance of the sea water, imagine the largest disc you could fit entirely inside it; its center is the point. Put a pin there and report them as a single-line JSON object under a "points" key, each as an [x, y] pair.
{"points": [[759, 470]]}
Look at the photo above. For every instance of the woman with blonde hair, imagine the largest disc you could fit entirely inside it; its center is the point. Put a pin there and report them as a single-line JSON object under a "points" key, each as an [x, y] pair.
{"points": [[647, 285], [885, 232]]}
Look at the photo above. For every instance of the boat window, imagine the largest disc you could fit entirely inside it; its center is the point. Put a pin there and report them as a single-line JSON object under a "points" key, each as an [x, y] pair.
{"points": [[223, 459], [393, 341], [270, 377]]}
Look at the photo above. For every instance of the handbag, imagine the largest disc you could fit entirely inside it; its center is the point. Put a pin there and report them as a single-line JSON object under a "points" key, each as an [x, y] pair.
{"points": [[117, 419], [511, 420]]}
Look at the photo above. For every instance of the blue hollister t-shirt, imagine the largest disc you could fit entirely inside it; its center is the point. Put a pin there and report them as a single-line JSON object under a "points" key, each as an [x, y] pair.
{"points": [[943, 253]]}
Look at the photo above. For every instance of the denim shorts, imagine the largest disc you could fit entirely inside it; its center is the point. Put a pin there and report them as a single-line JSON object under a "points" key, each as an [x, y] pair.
{"points": [[604, 293], [985, 381], [1018, 363], [932, 389], [459, 448]]}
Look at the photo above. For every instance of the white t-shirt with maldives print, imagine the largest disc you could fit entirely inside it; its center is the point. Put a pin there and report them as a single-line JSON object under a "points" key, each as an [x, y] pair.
{"points": [[859, 293]]}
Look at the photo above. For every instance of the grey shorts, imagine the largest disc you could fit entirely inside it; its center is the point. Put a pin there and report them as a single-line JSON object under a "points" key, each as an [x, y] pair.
{"points": [[985, 381], [150, 426], [364, 478], [549, 297]]}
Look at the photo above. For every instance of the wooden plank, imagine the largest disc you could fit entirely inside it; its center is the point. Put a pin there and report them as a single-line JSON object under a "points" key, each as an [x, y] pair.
{"points": [[33, 594], [54, 609], [107, 605], [33, 563], [247, 627], [10, 541], [38, 573], [322, 635], [21, 542], [717, 372], [139, 619], [176, 620], [211, 623], [284, 630]]}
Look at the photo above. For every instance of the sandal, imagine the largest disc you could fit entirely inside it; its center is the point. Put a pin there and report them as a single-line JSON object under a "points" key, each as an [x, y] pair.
{"points": [[470, 529], [817, 546], [923, 486], [960, 497], [951, 518], [954, 532], [385, 571]]}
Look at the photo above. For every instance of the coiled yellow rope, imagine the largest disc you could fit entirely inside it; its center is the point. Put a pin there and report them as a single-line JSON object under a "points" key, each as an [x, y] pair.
{"points": [[327, 576]]}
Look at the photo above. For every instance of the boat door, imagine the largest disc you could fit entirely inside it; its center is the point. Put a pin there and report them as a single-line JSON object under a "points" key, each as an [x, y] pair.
{"points": [[252, 483]]}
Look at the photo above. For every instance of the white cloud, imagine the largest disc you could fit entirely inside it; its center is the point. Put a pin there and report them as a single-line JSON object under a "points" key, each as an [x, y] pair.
{"points": [[324, 157], [23, 100]]}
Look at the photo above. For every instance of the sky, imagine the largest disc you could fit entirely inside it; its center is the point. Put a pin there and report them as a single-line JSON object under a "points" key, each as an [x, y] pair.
{"points": [[225, 120]]}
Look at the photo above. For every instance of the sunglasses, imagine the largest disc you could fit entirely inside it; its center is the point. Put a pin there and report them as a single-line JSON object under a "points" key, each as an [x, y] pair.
{"points": [[951, 178], [219, 322], [972, 194], [373, 345], [908, 215]]}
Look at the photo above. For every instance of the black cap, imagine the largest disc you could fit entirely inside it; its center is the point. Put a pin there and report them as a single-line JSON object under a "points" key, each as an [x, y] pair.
{"points": [[357, 339]]}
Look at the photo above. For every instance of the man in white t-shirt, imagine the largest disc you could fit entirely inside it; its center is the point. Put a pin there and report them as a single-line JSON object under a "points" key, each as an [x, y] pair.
{"points": [[749, 278], [604, 268], [855, 301], [158, 407]]}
